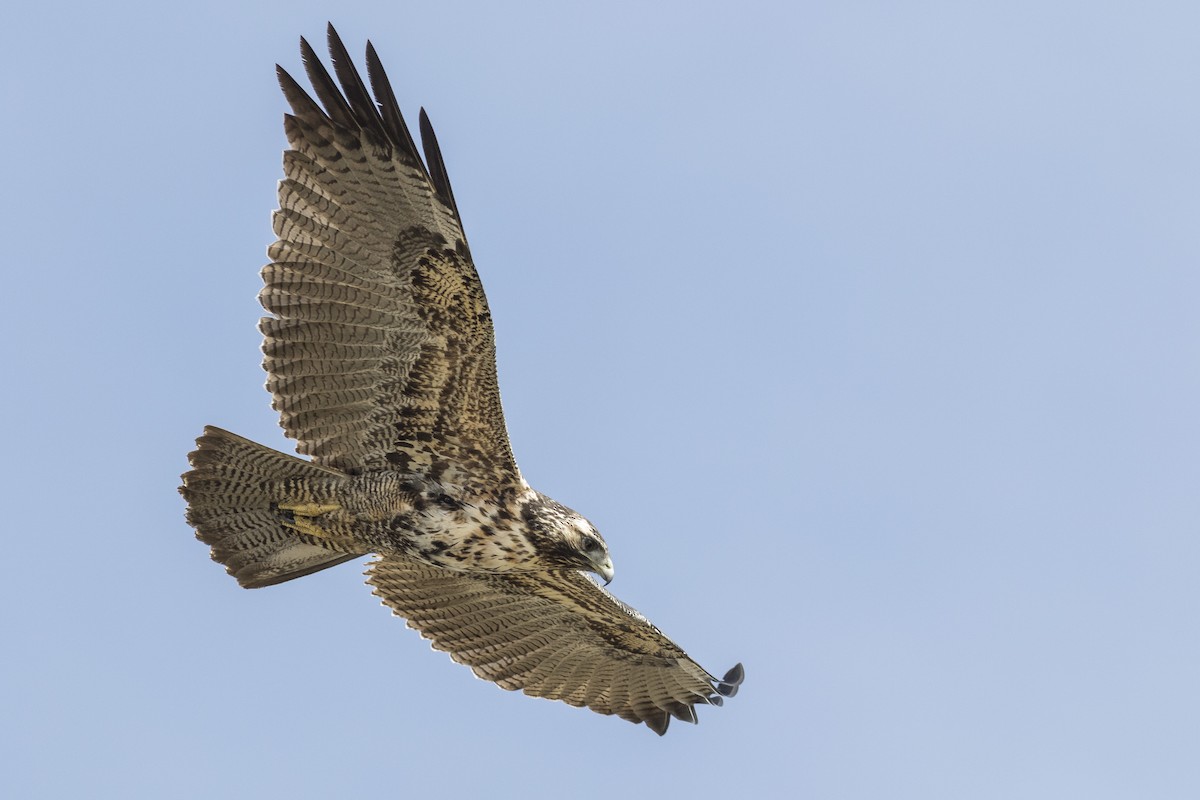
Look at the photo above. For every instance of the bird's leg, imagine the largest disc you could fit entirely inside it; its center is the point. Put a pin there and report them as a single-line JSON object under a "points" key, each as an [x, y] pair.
{"points": [[309, 509], [302, 517]]}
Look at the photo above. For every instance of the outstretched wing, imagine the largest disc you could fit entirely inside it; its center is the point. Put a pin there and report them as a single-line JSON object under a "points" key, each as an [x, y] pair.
{"points": [[558, 636], [380, 352]]}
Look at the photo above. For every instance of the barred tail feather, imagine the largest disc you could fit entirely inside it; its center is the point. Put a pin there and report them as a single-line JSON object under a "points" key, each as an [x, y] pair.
{"points": [[230, 504]]}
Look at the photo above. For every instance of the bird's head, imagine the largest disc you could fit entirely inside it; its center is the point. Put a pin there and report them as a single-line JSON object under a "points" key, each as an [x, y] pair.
{"points": [[565, 539]]}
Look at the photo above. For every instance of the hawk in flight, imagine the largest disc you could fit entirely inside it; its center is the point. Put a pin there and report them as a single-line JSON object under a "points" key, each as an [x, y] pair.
{"points": [[381, 362]]}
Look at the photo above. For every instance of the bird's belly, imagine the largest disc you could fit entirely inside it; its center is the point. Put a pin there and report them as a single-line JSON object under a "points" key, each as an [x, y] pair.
{"points": [[464, 543]]}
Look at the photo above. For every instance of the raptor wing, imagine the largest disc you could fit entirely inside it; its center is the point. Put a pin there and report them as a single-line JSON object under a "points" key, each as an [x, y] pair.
{"points": [[380, 348], [553, 635]]}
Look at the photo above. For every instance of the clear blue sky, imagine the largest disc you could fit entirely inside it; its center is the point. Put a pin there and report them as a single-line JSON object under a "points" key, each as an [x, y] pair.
{"points": [[866, 332]]}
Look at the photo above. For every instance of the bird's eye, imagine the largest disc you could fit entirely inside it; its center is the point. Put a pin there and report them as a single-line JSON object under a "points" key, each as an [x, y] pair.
{"points": [[591, 543], [447, 501]]}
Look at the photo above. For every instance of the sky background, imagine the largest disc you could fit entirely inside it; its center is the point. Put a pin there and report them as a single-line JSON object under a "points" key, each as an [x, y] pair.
{"points": [[865, 331]]}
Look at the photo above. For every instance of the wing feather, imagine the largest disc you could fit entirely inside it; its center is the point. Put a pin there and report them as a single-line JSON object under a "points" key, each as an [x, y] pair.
{"points": [[359, 99], [393, 121], [380, 349], [557, 635], [327, 91], [437, 167]]}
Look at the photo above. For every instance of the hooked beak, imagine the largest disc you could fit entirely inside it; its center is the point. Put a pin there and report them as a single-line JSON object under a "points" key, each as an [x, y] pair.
{"points": [[604, 568]]}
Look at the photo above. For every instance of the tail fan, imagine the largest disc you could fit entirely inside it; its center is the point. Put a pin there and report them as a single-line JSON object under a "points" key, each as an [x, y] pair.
{"points": [[230, 496]]}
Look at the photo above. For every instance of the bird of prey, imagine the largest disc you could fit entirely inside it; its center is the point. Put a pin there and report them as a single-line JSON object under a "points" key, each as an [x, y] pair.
{"points": [[381, 362]]}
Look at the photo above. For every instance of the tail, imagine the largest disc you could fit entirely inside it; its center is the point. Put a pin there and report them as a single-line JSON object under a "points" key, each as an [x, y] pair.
{"points": [[231, 490]]}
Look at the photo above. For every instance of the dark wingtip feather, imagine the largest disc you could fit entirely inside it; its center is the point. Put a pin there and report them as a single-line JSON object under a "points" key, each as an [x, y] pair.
{"points": [[729, 684], [389, 108], [327, 91], [684, 712], [302, 105], [437, 167], [659, 722], [361, 105]]}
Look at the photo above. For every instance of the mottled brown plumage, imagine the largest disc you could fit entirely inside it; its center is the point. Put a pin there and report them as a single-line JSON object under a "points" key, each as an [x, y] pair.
{"points": [[381, 363]]}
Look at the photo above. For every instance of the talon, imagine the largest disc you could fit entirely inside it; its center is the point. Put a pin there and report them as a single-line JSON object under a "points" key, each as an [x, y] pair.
{"points": [[308, 509], [304, 525], [300, 517]]}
